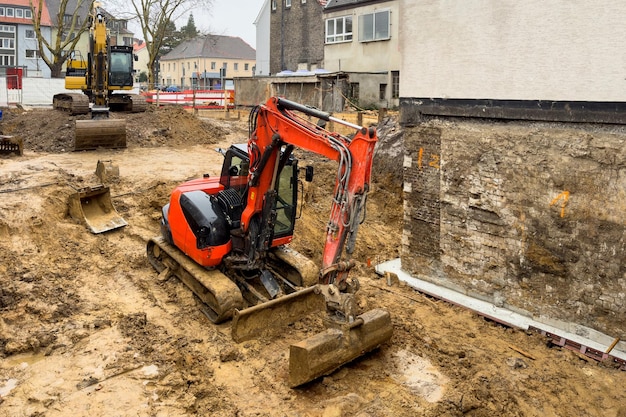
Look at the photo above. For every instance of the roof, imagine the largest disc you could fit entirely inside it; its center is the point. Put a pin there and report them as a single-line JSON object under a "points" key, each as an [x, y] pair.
{"points": [[69, 9], [347, 4], [45, 15], [212, 46], [138, 45]]}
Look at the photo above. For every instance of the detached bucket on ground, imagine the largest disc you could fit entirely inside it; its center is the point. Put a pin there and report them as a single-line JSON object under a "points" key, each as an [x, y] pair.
{"points": [[11, 145], [93, 206]]}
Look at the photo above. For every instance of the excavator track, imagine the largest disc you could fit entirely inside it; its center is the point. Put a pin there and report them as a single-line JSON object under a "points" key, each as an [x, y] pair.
{"points": [[217, 292], [73, 103], [132, 103]]}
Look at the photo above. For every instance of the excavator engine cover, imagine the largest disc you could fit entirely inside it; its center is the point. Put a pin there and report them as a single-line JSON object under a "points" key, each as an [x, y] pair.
{"points": [[99, 133], [93, 206]]}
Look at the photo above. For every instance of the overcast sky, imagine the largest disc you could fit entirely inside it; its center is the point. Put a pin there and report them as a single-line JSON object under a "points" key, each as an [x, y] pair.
{"points": [[229, 17]]}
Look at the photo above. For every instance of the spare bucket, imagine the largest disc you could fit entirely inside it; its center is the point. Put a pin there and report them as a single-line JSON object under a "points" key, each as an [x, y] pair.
{"points": [[93, 206]]}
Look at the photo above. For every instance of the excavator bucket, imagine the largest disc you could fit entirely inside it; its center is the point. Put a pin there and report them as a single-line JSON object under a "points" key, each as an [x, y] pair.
{"points": [[325, 352], [93, 206], [99, 133], [11, 145], [268, 318]]}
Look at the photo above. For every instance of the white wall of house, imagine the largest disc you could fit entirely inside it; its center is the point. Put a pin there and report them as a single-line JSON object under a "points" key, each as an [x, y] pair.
{"points": [[532, 50], [36, 67], [262, 24], [357, 56], [141, 65]]}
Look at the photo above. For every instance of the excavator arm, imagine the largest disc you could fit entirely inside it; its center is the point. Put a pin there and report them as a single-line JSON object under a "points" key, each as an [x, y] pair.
{"points": [[279, 127]]}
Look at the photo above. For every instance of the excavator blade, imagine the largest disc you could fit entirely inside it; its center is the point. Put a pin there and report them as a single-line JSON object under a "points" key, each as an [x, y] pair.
{"points": [[269, 317], [327, 351], [99, 133], [93, 206]]}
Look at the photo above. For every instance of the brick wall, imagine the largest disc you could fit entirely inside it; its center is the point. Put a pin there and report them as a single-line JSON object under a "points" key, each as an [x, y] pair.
{"points": [[296, 35], [530, 216]]}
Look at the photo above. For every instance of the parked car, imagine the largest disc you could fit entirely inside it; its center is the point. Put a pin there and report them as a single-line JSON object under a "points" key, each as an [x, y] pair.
{"points": [[172, 89]]}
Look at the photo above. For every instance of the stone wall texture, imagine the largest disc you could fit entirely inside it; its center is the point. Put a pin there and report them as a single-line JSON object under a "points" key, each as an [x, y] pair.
{"points": [[296, 36], [530, 216]]}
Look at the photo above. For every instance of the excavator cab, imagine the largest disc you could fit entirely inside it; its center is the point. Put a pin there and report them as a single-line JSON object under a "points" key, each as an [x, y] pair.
{"points": [[121, 67], [234, 176]]}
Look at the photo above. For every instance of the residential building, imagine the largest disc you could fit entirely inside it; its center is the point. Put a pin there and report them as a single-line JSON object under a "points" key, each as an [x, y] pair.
{"points": [[140, 50], [205, 61], [296, 35], [18, 41], [262, 24], [70, 9], [361, 38]]}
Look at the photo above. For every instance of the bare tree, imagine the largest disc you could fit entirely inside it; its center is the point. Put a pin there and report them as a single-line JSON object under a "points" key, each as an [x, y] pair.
{"points": [[155, 18], [71, 22]]}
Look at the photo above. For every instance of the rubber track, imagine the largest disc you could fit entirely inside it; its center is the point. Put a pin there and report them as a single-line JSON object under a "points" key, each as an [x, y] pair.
{"points": [[216, 290], [74, 103]]}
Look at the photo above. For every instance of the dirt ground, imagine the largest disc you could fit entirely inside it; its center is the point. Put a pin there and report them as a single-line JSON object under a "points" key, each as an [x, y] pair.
{"points": [[86, 329]]}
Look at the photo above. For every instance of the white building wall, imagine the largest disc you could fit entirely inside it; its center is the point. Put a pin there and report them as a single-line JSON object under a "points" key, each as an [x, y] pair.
{"points": [[532, 50], [355, 56], [36, 66], [263, 40]]}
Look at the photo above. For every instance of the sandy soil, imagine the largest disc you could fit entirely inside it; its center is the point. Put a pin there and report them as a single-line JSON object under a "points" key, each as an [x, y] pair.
{"points": [[86, 329]]}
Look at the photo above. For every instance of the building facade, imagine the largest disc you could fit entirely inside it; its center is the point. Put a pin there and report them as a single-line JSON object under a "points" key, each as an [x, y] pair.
{"points": [[515, 157], [207, 62], [19, 48], [296, 35], [361, 38]]}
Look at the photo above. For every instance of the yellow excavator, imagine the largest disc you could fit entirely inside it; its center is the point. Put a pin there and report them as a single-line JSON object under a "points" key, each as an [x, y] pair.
{"points": [[105, 78]]}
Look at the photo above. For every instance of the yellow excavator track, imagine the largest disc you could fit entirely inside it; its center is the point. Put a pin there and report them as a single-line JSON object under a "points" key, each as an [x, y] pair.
{"points": [[73, 103]]}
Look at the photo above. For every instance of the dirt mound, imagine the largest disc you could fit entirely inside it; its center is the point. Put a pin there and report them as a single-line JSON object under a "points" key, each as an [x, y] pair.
{"points": [[47, 130]]}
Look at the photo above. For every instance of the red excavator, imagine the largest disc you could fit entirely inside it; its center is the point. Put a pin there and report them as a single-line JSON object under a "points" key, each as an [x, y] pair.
{"points": [[226, 238]]}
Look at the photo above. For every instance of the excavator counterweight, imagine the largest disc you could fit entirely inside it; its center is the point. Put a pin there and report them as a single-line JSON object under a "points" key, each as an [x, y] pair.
{"points": [[227, 238]]}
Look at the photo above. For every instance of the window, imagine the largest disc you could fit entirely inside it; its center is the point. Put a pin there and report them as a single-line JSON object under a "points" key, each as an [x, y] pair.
{"points": [[395, 84], [1, 11], [29, 34], [19, 13], [382, 91], [287, 3], [374, 26], [5, 28], [236, 66], [246, 66], [7, 43], [9, 11], [71, 36], [354, 92], [174, 66], [212, 65], [188, 65], [7, 60], [273, 4], [303, 1], [32, 53], [195, 65], [28, 14], [225, 65], [339, 29]]}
